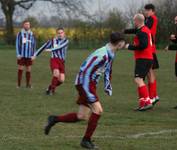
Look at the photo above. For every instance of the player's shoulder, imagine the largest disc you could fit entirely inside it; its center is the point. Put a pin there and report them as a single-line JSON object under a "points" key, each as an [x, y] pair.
{"points": [[154, 17]]}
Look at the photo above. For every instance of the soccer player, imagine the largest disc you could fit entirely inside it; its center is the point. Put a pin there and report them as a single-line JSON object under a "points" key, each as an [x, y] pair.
{"points": [[151, 22], [25, 47], [58, 48], [142, 48], [173, 47], [90, 108]]}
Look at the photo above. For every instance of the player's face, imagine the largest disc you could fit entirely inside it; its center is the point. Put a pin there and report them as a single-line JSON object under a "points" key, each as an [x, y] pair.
{"points": [[121, 44], [176, 20], [61, 34], [26, 25], [136, 22], [148, 13]]}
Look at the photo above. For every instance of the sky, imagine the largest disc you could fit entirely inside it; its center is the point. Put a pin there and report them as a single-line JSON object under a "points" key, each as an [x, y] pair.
{"points": [[41, 9]]}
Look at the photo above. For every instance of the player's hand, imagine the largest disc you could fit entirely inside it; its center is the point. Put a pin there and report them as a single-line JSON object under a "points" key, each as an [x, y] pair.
{"points": [[108, 90], [33, 58], [173, 37], [127, 45], [19, 57], [166, 48], [47, 50]]}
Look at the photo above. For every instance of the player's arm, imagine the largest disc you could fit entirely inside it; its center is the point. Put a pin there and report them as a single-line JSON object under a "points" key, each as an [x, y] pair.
{"points": [[33, 45], [107, 79], [65, 44], [18, 45], [143, 42], [172, 47], [47, 45], [130, 31]]}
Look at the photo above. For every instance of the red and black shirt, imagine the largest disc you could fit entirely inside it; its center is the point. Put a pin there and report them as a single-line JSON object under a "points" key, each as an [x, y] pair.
{"points": [[142, 45]]}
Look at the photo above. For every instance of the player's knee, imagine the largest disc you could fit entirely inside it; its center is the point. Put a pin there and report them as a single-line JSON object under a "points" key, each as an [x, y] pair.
{"points": [[55, 73], [98, 111], [62, 79], [81, 116]]}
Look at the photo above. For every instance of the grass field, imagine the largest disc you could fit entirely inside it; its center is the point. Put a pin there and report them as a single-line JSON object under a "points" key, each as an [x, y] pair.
{"points": [[23, 112]]}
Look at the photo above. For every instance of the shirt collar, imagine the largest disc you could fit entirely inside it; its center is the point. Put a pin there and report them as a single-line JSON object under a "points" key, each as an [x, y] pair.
{"points": [[24, 31], [110, 52]]}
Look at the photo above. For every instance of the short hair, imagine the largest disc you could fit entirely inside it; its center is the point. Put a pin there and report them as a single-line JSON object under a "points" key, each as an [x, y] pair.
{"points": [[149, 7], [60, 28], [116, 37], [25, 21], [140, 17]]}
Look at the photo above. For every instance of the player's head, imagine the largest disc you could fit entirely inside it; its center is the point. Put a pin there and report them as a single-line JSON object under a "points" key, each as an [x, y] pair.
{"points": [[26, 25], [149, 10], [60, 33], [117, 40], [176, 20], [138, 20]]}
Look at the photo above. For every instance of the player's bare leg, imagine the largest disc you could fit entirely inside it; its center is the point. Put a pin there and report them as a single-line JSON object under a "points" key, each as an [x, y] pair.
{"points": [[144, 100], [97, 110], [82, 114], [28, 77], [20, 73]]}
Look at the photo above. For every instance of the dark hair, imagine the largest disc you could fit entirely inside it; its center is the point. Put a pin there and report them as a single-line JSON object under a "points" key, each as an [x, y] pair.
{"points": [[25, 21], [60, 28], [149, 7], [116, 37]]}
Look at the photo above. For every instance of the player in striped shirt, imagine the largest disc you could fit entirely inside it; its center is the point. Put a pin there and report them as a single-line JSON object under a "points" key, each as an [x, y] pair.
{"points": [[25, 47], [58, 47], [90, 108]]}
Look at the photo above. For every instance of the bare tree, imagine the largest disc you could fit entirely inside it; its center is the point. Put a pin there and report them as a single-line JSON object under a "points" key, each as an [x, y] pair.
{"points": [[9, 6]]}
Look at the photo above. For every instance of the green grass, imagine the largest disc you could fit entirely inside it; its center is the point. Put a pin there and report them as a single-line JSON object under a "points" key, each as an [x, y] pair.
{"points": [[23, 112]]}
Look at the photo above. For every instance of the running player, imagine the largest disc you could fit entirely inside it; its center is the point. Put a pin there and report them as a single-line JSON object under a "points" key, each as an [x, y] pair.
{"points": [[90, 108]]}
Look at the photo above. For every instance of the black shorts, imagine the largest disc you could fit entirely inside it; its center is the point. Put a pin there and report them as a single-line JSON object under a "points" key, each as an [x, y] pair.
{"points": [[142, 67], [155, 64], [176, 69]]}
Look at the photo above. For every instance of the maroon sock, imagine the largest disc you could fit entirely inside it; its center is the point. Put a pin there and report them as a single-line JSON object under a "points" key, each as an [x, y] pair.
{"points": [[28, 78], [92, 124], [59, 83], [71, 117], [20, 72], [54, 83]]}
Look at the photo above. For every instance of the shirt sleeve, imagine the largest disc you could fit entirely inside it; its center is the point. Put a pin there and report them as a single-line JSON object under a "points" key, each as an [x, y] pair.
{"points": [[130, 31], [18, 44], [143, 42], [65, 44], [108, 77], [172, 47], [47, 45]]}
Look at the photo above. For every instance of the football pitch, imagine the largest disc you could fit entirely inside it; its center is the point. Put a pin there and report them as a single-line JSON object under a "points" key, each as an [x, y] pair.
{"points": [[23, 112]]}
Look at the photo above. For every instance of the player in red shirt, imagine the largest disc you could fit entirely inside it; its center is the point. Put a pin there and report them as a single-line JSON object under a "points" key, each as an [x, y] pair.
{"points": [[173, 47], [151, 22], [142, 48]]}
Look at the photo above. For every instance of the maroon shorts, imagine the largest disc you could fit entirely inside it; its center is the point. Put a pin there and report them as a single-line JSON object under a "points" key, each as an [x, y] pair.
{"points": [[56, 63], [24, 61], [83, 97]]}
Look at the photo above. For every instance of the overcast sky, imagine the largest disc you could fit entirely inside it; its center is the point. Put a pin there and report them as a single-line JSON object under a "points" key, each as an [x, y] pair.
{"points": [[40, 8]]}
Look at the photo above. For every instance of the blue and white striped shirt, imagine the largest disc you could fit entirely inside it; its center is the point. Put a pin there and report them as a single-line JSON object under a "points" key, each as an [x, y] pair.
{"points": [[57, 46], [98, 63], [25, 44]]}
